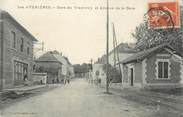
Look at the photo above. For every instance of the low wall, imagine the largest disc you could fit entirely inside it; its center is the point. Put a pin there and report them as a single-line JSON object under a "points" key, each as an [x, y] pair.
{"points": [[39, 78]]}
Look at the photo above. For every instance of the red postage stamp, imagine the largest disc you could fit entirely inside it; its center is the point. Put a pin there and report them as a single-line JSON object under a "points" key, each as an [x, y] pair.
{"points": [[163, 15]]}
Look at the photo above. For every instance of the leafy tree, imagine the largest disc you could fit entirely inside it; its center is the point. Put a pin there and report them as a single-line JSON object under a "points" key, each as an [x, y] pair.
{"points": [[147, 38], [83, 68]]}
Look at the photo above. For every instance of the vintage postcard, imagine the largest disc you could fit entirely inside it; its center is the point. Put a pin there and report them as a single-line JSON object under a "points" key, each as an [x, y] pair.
{"points": [[91, 58]]}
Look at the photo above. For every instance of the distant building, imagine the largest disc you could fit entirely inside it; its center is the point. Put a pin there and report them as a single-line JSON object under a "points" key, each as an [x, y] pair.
{"points": [[99, 73], [48, 63], [124, 51], [157, 67], [55, 65], [71, 71], [67, 68], [16, 52]]}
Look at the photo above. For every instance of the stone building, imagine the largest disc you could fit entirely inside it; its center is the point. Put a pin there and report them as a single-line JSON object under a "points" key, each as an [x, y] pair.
{"points": [[55, 65], [48, 63], [16, 52], [157, 67]]}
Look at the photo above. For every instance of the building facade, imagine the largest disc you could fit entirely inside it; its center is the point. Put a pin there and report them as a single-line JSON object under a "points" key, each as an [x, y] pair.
{"points": [[67, 68], [98, 73], [158, 67], [124, 51], [16, 52], [48, 63], [55, 65]]}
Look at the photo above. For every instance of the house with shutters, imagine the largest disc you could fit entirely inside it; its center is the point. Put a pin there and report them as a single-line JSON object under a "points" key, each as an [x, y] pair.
{"points": [[16, 52], [157, 67]]}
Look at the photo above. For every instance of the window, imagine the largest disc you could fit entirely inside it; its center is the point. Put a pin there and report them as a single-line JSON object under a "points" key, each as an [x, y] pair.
{"points": [[20, 72], [28, 50], [13, 39], [22, 45], [163, 69]]}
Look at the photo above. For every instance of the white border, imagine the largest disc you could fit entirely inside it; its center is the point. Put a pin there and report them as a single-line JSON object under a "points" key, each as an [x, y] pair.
{"points": [[181, 72], [144, 72]]}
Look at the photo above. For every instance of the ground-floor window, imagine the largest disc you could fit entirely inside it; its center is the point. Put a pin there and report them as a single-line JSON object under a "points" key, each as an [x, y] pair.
{"points": [[20, 72], [163, 69]]}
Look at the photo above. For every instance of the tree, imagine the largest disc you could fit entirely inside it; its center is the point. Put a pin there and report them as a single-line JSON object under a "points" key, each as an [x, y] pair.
{"points": [[147, 38], [83, 68]]}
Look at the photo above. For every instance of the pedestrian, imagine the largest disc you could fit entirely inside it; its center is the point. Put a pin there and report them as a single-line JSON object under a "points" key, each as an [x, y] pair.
{"points": [[25, 77], [57, 80], [99, 81], [68, 80], [26, 83], [65, 80]]}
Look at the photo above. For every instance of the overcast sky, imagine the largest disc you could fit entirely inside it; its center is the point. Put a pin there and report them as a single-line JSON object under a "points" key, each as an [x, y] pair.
{"points": [[78, 34]]}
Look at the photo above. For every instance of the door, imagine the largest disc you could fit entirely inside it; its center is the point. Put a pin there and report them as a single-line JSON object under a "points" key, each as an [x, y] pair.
{"points": [[131, 76]]}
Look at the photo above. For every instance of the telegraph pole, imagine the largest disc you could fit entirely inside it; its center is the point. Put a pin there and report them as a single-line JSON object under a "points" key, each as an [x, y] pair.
{"points": [[91, 64], [107, 50], [117, 49], [2, 54], [114, 46]]}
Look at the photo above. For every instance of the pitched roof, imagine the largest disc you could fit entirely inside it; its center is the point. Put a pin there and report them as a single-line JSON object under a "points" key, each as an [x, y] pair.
{"points": [[60, 58], [143, 54], [48, 57], [52, 56], [6, 15], [124, 48]]}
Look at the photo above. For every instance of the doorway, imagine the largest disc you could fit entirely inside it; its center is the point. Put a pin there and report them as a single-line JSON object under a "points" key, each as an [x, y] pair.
{"points": [[131, 76], [20, 72]]}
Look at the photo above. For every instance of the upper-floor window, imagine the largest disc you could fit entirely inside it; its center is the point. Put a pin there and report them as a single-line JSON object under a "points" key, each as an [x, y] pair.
{"points": [[22, 45], [13, 39], [28, 50]]}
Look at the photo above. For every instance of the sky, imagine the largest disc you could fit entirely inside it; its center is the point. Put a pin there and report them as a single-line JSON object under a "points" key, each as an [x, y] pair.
{"points": [[80, 34]]}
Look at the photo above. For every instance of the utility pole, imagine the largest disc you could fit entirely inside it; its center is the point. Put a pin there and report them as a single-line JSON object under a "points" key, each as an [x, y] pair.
{"points": [[117, 51], [107, 50], [114, 46], [90, 69], [91, 64], [2, 54]]}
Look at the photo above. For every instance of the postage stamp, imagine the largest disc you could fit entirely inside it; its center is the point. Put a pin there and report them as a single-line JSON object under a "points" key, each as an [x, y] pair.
{"points": [[163, 15]]}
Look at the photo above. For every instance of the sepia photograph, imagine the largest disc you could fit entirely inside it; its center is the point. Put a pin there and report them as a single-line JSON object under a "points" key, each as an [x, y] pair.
{"points": [[91, 58]]}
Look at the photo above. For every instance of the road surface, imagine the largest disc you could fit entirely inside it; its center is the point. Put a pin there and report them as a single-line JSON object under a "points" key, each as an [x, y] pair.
{"points": [[77, 99]]}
